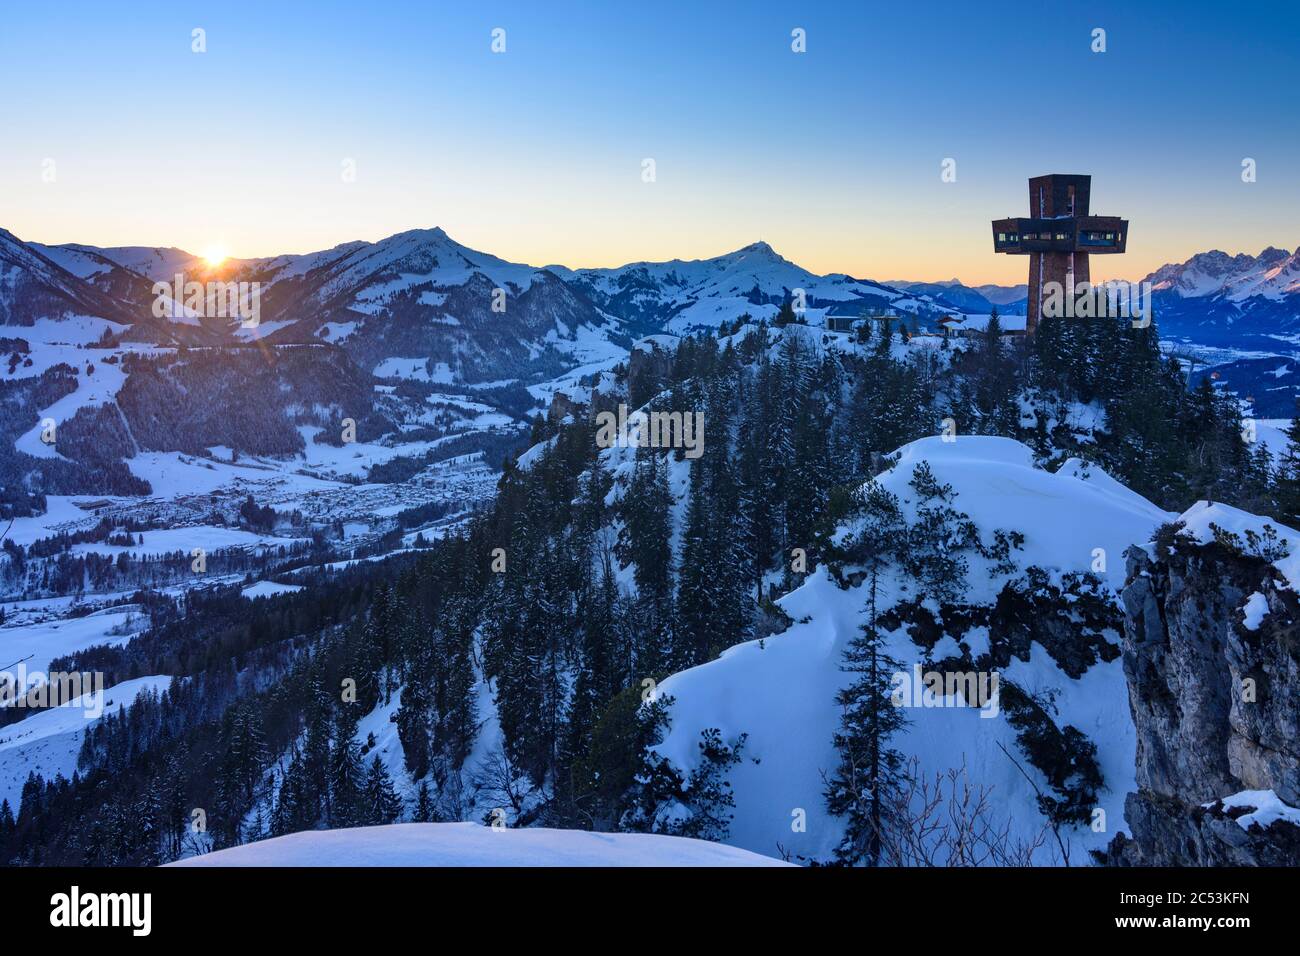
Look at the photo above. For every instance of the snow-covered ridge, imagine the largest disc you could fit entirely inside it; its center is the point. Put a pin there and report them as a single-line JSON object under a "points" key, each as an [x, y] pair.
{"points": [[703, 293], [369, 277], [470, 844], [780, 692], [1273, 274], [1201, 519]]}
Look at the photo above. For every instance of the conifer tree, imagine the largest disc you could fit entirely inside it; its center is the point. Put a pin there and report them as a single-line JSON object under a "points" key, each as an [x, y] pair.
{"points": [[695, 595], [1286, 482], [598, 678], [346, 774], [315, 793], [424, 809], [148, 822], [419, 674], [457, 721], [646, 543], [381, 802], [246, 752], [869, 768]]}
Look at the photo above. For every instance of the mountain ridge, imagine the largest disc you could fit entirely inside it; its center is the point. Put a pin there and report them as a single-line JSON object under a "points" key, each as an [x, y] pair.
{"points": [[412, 297]]}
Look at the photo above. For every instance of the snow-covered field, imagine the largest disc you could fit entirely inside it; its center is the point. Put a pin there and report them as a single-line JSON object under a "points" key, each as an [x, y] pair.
{"points": [[269, 589], [470, 844], [40, 643], [210, 539]]}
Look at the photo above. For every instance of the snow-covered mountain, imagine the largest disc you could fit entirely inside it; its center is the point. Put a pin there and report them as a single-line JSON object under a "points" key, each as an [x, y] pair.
{"points": [[35, 284], [422, 295], [1240, 300], [1012, 297], [680, 296], [421, 303], [1273, 274], [978, 299], [1058, 667]]}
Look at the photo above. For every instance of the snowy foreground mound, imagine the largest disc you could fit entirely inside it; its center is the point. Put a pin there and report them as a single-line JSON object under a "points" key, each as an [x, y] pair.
{"points": [[469, 844], [781, 692]]}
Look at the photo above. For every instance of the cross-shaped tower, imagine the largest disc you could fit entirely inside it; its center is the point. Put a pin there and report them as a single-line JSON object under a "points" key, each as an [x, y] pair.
{"points": [[1058, 236]]}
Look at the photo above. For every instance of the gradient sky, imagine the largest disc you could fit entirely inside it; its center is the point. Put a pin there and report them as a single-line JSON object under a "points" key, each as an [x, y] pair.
{"points": [[832, 156]]}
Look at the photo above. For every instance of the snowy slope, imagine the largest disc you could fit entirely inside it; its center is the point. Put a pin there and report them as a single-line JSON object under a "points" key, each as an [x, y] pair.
{"points": [[48, 741], [83, 263], [269, 589], [35, 286], [42, 642], [155, 264], [1201, 519], [415, 257], [469, 844], [781, 691], [98, 382]]}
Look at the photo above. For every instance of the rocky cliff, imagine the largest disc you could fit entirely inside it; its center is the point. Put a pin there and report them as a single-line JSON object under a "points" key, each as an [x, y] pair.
{"points": [[1211, 653]]}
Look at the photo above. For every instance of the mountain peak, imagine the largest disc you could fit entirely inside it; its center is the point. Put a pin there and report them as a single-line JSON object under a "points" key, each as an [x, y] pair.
{"points": [[1239, 277]]}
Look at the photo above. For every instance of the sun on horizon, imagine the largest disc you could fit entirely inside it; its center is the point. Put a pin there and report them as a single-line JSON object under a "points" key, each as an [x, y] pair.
{"points": [[214, 255]]}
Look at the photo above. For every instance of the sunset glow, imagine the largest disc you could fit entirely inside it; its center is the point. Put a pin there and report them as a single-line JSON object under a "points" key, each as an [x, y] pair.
{"points": [[215, 255], [855, 189]]}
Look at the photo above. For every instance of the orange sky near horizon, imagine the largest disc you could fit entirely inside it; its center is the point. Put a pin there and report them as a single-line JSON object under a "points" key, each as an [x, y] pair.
{"points": [[293, 133]]}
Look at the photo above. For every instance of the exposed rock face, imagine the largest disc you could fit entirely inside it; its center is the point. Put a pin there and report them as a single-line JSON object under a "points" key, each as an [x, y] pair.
{"points": [[1216, 704]]}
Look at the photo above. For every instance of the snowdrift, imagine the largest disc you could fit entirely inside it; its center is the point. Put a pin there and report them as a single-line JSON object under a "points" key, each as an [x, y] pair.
{"points": [[469, 844]]}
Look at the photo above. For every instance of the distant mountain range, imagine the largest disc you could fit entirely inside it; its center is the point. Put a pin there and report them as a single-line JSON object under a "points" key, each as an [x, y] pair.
{"points": [[1241, 301], [422, 297], [470, 316], [1008, 299], [1273, 274]]}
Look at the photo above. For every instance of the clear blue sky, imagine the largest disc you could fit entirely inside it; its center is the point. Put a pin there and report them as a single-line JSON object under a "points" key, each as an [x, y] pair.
{"points": [[833, 156]]}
